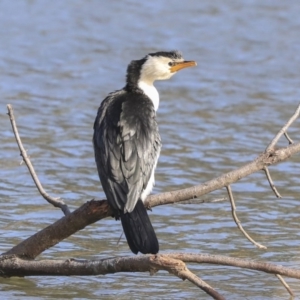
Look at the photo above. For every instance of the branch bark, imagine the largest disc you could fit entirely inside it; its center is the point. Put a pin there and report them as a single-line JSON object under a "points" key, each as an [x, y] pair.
{"points": [[91, 212], [11, 265], [84, 215], [15, 261]]}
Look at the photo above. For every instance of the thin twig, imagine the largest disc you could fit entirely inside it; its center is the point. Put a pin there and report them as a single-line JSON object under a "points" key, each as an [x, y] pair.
{"points": [[283, 130], [285, 285], [57, 202], [238, 222], [288, 138], [272, 185], [119, 239]]}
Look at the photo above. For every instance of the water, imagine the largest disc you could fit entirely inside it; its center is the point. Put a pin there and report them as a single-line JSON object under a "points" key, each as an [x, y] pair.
{"points": [[58, 60]]}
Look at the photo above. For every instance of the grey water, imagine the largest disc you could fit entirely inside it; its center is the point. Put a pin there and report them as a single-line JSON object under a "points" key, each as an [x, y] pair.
{"points": [[59, 59]]}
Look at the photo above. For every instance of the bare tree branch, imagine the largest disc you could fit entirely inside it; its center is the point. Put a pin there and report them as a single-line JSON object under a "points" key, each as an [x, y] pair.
{"points": [[93, 211], [264, 159], [236, 262], [11, 265], [269, 157], [288, 138], [285, 285], [238, 222], [15, 261], [178, 268], [57, 202], [52, 235], [283, 130], [272, 185]]}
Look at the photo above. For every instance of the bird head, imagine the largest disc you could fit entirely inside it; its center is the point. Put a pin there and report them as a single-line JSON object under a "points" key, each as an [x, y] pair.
{"points": [[156, 66], [163, 65]]}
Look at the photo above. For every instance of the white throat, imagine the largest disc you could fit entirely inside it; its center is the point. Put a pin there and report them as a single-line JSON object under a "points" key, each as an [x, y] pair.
{"points": [[151, 92]]}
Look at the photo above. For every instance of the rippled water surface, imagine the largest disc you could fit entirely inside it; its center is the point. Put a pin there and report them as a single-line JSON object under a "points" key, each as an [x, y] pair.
{"points": [[59, 59]]}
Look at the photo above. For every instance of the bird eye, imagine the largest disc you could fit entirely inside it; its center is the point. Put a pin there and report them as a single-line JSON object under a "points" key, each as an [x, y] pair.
{"points": [[171, 63]]}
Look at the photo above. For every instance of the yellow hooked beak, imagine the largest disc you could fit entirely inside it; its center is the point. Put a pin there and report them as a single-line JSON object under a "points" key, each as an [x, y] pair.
{"points": [[181, 65]]}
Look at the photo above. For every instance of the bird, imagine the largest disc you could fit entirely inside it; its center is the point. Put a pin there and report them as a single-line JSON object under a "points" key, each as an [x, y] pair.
{"points": [[127, 145]]}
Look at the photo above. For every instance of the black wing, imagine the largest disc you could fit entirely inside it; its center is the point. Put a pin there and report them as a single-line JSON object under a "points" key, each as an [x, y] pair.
{"points": [[127, 145]]}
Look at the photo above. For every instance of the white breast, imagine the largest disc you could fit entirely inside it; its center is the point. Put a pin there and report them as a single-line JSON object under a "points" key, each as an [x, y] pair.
{"points": [[151, 92], [151, 181]]}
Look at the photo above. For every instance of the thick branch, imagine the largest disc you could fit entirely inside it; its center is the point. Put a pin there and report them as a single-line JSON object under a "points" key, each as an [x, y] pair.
{"points": [[14, 266]]}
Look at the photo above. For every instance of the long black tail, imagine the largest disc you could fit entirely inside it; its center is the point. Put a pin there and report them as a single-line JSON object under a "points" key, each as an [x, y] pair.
{"points": [[138, 230]]}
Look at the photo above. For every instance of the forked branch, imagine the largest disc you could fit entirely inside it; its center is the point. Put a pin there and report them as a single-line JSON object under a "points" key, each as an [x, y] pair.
{"points": [[97, 210], [11, 265], [283, 130], [173, 263], [267, 158], [92, 211]]}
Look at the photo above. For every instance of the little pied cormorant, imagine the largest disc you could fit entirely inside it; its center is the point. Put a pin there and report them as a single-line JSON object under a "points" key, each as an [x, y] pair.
{"points": [[127, 145]]}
